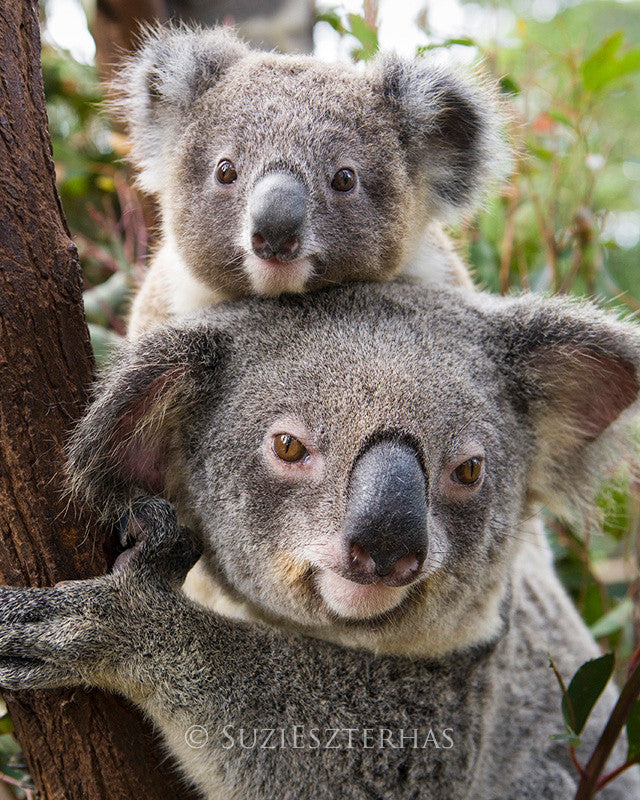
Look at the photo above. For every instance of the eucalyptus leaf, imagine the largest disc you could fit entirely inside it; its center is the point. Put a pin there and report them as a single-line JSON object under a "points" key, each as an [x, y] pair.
{"points": [[613, 620], [365, 34], [104, 342], [584, 690]]}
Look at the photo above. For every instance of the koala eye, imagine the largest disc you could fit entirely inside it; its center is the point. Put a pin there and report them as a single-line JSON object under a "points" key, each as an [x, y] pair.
{"points": [[469, 472], [226, 172], [288, 448], [344, 180]]}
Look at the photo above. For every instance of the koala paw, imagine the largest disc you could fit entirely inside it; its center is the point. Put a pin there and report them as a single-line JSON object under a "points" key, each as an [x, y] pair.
{"points": [[160, 547], [78, 631], [46, 636]]}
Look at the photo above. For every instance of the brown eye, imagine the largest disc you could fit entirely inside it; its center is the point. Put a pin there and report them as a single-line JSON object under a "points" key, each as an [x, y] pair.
{"points": [[344, 180], [469, 472], [226, 172], [288, 448]]}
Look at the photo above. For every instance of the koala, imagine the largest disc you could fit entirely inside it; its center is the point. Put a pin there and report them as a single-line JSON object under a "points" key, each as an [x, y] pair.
{"points": [[362, 468], [282, 173]]}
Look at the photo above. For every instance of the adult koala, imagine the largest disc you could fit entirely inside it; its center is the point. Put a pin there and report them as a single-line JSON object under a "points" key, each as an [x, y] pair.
{"points": [[280, 173], [361, 468]]}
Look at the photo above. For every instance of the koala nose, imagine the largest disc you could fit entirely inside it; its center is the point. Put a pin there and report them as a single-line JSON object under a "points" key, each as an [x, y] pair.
{"points": [[277, 211], [386, 520]]}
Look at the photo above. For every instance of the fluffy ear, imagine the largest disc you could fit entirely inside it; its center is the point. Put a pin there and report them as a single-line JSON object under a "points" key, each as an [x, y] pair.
{"points": [[131, 431], [576, 372], [452, 130], [156, 87]]}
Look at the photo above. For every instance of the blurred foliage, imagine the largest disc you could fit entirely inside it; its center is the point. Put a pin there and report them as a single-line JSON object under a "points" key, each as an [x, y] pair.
{"points": [[105, 214]]}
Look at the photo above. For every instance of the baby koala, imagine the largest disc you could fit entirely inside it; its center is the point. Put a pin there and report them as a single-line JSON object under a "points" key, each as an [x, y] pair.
{"points": [[281, 173], [361, 467]]}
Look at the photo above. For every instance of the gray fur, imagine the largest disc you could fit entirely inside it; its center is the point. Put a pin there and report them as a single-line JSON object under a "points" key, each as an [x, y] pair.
{"points": [[423, 140], [185, 412]]}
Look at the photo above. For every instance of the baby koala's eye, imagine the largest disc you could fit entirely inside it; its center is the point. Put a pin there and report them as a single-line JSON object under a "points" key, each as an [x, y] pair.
{"points": [[344, 180], [469, 472], [288, 448], [226, 172]]}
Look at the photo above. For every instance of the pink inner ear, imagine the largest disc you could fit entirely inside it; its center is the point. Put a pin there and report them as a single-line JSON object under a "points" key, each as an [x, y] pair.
{"points": [[144, 465], [595, 388], [141, 453]]}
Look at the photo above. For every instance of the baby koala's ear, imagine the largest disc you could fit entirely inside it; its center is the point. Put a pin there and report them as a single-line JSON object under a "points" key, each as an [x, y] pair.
{"points": [[452, 128], [576, 371], [157, 85], [124, 443]]}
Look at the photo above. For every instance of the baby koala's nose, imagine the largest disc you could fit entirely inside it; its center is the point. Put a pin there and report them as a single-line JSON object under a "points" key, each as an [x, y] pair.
{"points": [[277, 212], [386, 521]]}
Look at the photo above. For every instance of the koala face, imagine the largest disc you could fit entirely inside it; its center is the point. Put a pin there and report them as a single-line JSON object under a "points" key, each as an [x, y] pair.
{"points": [[318, 190], [362, 459], [280, 173]]}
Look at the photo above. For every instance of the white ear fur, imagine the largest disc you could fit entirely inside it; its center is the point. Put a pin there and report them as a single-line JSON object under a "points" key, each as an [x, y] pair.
{"points": [[156, 87]]}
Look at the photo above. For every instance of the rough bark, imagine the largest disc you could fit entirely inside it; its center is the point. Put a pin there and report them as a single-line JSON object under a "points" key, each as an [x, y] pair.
{"points": [[78, 744]]}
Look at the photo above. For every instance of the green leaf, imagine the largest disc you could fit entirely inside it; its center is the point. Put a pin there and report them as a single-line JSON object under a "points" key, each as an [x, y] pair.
{"points": [[584, 690], [594, 66], [103, 342], [509, 85], [365, 34], [6, 725], [563, 119], [540, 152], [633, 732], [566, 737], [613, 620], [332, 17], [464, 42], [603, 66], [111, 294]]}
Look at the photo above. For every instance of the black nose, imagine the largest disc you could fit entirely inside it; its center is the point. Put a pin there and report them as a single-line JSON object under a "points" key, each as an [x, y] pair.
{"points": [[277, 211], [386, 520]]}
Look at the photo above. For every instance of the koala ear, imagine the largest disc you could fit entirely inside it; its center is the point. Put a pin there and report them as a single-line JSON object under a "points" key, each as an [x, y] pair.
{"points": [[451, 128], [577, 370], [123, 444], [156, 87]]}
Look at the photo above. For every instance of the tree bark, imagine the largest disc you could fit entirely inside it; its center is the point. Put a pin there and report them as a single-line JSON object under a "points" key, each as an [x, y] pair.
{"points": [[78, 744]]}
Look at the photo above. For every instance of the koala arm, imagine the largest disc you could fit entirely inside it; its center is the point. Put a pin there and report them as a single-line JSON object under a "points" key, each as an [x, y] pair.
{"points": [[130, 631]]}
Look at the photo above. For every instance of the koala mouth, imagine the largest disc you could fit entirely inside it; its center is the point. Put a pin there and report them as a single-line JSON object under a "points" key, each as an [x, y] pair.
{"points": [[353, 600], [272, 277]]}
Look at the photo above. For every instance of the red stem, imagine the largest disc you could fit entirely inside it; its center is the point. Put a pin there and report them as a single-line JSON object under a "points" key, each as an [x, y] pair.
{"points": [[605, 779]]}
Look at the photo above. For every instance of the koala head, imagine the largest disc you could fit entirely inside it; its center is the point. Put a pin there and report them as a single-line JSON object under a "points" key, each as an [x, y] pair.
{"points": [[361, 460], [278, 173]]}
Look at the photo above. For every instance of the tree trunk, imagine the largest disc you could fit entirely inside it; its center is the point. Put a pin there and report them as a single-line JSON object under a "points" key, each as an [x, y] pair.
{"points": [[78, 744]]}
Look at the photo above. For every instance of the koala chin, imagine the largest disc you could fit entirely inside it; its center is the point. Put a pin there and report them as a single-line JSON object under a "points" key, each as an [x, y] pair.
{"points": [[278, 174], [362, 469]]}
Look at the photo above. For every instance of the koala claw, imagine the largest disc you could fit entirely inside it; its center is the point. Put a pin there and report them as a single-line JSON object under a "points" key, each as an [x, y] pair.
{"points": [[43, 634], [161, 545]]}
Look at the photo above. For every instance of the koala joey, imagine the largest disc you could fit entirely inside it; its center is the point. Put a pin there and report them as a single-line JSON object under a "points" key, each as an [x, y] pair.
{"points": [[361, 467], [281, 173]]}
